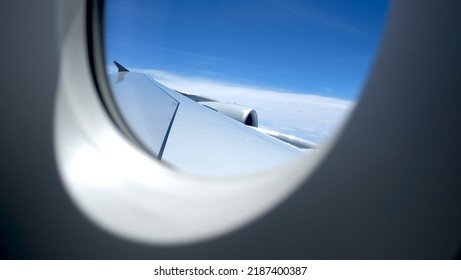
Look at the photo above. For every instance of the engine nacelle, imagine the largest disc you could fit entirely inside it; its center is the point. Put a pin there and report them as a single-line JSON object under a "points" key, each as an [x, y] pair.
{"points": [[238, 112]]}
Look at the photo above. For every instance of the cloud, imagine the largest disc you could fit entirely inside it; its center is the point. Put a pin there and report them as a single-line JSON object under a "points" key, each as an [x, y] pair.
{"points": [[309, 116]]}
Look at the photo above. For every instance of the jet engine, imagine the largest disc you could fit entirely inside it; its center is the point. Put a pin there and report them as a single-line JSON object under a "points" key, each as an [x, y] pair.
{"points": [[238, 112]]}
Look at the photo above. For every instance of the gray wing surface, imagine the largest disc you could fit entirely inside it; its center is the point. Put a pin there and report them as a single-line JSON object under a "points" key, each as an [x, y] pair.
{"points": [[190, 137]]}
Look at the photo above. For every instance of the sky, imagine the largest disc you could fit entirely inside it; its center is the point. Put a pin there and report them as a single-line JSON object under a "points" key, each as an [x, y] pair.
{"points": [[287, 59]]}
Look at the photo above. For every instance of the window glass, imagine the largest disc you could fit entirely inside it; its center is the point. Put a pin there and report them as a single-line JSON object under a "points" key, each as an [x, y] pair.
{"points": [[296, 67]]}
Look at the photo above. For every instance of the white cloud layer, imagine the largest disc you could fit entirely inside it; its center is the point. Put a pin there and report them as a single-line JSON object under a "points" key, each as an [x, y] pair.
{"points": [[309, 116]]}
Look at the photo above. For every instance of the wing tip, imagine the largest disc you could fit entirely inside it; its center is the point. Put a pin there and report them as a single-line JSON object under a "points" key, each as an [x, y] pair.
{"points": [[120, 67]]}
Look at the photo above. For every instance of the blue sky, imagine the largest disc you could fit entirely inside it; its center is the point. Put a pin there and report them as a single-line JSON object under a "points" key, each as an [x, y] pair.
{"points": [[317, 47]]}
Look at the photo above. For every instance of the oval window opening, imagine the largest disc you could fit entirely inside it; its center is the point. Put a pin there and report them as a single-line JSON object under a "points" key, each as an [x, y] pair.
{"points": [[229, 88]]}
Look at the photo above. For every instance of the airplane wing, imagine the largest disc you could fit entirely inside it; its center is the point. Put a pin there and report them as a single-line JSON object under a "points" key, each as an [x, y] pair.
{"points": [[200, 137], [249, 117]]}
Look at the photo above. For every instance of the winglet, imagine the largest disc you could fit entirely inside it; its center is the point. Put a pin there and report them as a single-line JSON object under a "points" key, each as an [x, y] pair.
{"points": [[120, 67]]}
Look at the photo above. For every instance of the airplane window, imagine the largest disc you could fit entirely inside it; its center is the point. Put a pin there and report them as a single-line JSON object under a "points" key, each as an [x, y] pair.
{"points": [[234, 87]]}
